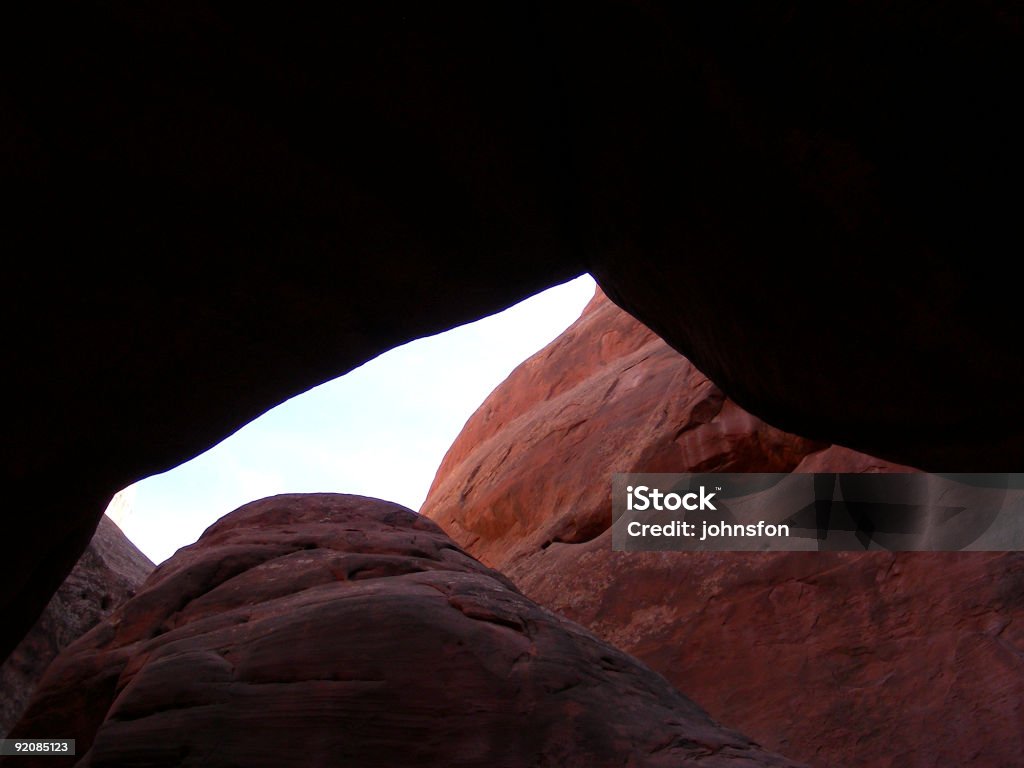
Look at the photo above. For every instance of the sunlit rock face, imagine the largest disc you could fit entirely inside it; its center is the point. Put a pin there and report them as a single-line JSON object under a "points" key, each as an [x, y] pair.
{"points": [[326, 629], [122, 506], [532, 466], [873, 659], [109, 572]]}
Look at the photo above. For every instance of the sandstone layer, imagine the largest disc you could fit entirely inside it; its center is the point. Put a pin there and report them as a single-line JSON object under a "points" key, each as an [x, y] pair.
{"points": [[109, 572], [812, 200], [327, 629], [870, 659]]}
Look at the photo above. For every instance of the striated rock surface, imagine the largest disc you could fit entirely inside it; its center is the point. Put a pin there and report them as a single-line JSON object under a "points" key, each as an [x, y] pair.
{"points": [[328, 629], [532, 467], [870, 659], [108, 573]]}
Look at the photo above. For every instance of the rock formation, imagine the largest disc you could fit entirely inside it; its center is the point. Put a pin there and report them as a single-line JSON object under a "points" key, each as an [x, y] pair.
{"points": [[869, 659], [810, 199], [326, 629], [606, 396], [107, 574]]}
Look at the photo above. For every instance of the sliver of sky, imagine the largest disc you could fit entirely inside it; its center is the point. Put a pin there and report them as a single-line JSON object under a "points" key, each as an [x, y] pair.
{"points": [[380, 430]]}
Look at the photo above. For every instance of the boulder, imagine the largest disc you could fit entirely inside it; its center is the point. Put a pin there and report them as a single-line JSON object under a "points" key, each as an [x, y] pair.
{"points": [[327, 629]]}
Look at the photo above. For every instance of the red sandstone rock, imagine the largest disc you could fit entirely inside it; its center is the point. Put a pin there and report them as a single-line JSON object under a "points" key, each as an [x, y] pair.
{"points": [[814, 200], [838, 659], [340, 630], [533, 465], [107, 574]]}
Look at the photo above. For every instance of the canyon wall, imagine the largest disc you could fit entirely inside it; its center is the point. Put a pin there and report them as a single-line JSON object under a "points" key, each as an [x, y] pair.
{"points": [[813, 201], [109, 572], [835, 658]]}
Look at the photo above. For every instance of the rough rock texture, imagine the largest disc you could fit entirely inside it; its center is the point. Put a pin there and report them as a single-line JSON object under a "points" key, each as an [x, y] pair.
{"points": [[108, 573], [605, 396], [327, 629], [875, 660], [809, 198], [837, 659]]}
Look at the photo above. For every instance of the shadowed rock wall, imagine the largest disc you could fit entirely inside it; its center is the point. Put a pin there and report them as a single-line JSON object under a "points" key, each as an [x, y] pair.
{"points": [[107, 574]]}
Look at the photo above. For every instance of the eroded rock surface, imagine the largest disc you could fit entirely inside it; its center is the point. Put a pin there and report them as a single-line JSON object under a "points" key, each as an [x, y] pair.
{"points": [[107, 574], [532, 466], [327, 630], [872, 659]]}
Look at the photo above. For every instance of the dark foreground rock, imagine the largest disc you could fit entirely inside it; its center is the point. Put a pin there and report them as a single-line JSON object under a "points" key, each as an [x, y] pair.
{"points": [[339, 630], [838, 659], [107, 574]]}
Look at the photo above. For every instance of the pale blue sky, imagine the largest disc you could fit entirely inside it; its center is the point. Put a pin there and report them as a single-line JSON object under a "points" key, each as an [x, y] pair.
{"points": [[380, 430]]}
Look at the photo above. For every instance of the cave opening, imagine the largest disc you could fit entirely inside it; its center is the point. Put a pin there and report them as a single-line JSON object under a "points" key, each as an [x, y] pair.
{"points": [[380, 430]]}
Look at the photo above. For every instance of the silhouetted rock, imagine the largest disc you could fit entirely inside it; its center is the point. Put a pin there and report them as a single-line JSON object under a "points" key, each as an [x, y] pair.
{"points": [[108, 573], [838, 659], [328, 629]]}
